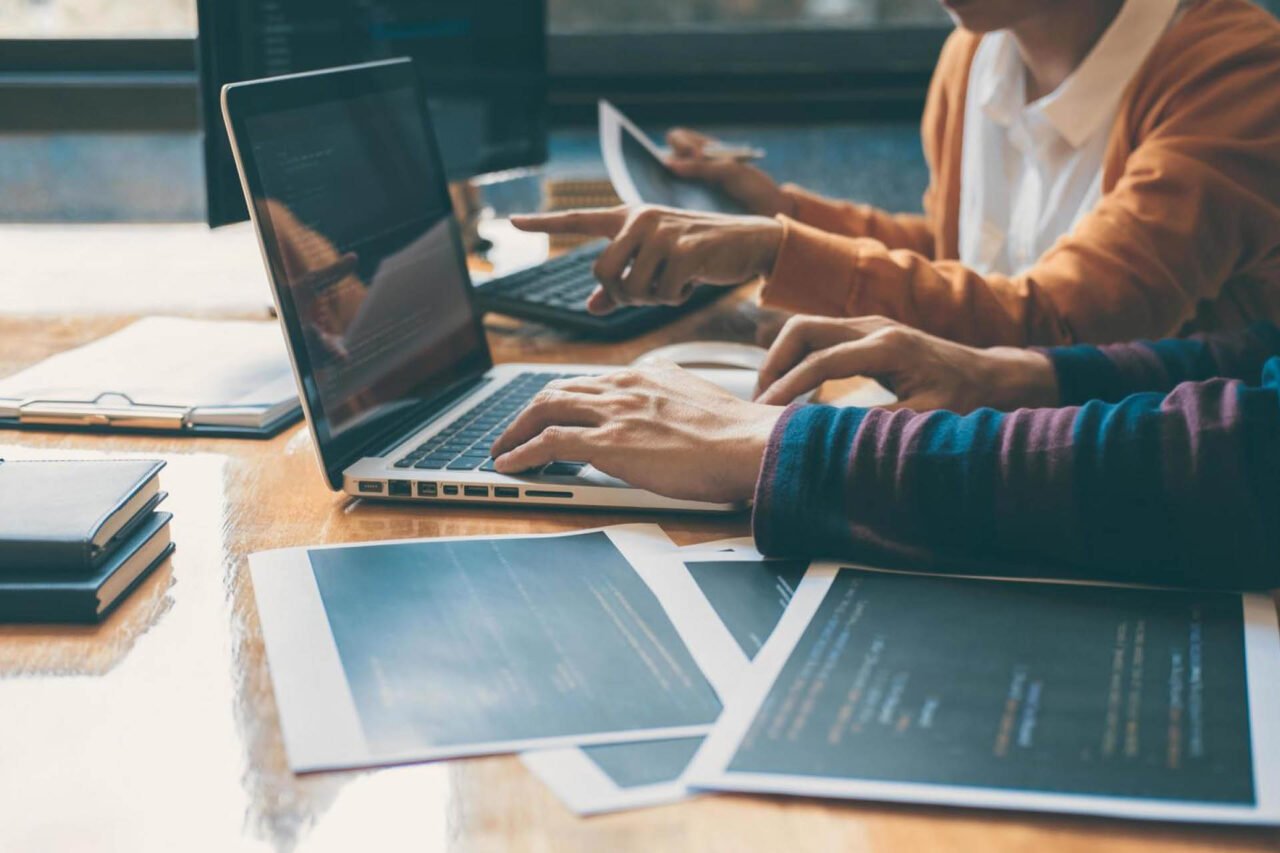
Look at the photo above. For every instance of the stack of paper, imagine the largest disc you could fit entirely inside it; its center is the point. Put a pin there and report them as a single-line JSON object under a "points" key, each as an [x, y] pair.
{"points": [[606, 657]]}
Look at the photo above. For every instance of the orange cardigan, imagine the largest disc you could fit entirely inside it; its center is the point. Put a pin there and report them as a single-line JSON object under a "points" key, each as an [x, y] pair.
{"points": [[1186, 236]]}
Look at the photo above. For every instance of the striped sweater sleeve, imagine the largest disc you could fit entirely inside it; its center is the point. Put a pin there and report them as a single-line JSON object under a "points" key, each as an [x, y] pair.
{"points": [[1179, 487], [1115, 371]]}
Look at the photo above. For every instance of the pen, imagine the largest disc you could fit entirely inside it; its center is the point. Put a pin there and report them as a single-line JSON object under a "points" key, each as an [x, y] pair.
{"points": [[733, 152], [725, 152]]}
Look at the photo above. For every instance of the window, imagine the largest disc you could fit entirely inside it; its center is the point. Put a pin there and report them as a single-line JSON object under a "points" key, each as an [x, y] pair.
{"points": [[588, 15], [177, 18], [133, 19], [111, 78]]}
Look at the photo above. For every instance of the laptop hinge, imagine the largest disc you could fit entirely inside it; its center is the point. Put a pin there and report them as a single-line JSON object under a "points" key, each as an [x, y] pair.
{"points": [[439, 407]]}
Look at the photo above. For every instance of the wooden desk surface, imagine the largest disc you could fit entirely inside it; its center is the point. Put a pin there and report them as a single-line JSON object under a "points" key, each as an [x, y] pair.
{"points": [[158, 729]]}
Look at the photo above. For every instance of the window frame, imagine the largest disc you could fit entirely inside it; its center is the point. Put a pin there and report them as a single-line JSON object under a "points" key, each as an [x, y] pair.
{"points": [[712, 74]]}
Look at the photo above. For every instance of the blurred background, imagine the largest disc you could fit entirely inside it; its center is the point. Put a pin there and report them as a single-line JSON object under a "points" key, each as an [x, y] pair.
{"points": [[176, 18], [100, 118], [100, 114]]}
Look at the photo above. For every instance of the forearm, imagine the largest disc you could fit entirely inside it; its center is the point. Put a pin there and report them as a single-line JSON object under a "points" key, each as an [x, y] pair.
{"points": [[895, 230], [815, 272], [1115, 371], [1180, 490]]}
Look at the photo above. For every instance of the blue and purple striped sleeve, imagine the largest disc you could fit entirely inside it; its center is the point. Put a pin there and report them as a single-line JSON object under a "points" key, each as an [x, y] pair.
{"points": [[1163, 467]]}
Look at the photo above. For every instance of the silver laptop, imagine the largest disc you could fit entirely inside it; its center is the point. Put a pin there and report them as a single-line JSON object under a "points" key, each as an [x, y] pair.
{"points": [[344, 185]]}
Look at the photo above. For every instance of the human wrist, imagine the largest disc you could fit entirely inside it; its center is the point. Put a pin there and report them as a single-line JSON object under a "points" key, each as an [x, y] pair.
{"points": [[784, 202], [769, 235], [748, 450], [1021, 379]]}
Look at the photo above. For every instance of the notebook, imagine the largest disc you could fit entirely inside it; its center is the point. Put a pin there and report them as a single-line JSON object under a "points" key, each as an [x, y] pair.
{"points": [[35, 596], [67, 516], [162, 374]]}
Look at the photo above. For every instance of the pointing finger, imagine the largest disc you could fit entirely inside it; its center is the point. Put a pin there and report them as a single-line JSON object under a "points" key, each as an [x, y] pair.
{"points": [[595, 222], [600, 302]]}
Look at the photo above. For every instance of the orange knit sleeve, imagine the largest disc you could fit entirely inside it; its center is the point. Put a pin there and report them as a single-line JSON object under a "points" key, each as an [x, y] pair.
{"points": [[1196, 203], [895, 230]]}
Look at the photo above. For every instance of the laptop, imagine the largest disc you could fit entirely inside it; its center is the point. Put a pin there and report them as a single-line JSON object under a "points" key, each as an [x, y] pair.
{"points": [[344, 184]]}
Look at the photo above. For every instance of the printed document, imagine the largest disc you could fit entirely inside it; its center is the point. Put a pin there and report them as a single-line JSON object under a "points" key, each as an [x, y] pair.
{"points": [[424, 649], [1056, 697], [748, 595]]}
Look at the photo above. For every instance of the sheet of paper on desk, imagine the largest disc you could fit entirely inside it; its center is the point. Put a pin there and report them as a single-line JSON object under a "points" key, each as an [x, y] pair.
{"points": [[741, 545], [748, 595], [1052, 697], [639, 176], [235, 371], [423, 649]]}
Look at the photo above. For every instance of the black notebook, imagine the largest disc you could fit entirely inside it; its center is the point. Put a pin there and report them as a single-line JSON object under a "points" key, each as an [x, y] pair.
{"points": [[69, 516], [37, 596]]}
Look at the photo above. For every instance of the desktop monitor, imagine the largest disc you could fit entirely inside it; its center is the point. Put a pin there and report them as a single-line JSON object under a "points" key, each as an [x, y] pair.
{"points": [[483, 63]]}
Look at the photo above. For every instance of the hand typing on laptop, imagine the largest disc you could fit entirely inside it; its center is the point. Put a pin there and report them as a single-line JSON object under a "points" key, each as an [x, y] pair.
{"points": [[663, 429], [657, 427]]}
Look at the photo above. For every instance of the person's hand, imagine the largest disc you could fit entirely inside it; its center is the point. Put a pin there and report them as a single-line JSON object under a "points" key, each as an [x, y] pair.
{"points": [[657, 427], [658, 254], [742, 182], [924, 371]]}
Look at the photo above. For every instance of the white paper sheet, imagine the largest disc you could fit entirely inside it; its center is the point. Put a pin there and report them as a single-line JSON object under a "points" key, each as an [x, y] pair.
{"points": [[577, 777], [230, 372], [744, 546], [710, 769], [639, 176], [321, 724]]}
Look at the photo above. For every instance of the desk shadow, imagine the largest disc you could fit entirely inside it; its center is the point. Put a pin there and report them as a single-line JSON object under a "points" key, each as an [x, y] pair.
{"points": [[94, 650]]}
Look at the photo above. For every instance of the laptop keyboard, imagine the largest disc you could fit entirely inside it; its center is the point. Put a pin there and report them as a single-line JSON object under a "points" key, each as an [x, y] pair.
{"points": [[464, 444]]}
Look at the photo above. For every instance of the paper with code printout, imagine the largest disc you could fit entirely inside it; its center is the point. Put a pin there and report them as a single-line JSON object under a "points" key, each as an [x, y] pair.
{"points": [[748, 595], [1120, 701], [422, 649]]}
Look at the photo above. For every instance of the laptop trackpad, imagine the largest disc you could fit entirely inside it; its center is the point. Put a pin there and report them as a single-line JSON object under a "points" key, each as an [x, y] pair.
{"points": [[580, 472]]}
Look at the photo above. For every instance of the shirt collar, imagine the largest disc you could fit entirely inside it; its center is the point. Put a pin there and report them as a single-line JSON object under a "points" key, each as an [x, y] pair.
{"points": [[1089, 96]]}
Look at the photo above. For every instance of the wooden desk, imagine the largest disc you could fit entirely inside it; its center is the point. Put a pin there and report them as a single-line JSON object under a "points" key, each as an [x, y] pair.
{"points": [[158, 730]]}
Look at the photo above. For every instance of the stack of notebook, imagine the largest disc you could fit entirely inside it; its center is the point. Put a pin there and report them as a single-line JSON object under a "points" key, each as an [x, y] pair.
{"points": [[77, 536]]}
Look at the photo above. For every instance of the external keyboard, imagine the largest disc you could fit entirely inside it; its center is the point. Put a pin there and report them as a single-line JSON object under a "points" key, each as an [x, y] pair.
{"points": [[556, 293], [464, 444], [562, 282]]}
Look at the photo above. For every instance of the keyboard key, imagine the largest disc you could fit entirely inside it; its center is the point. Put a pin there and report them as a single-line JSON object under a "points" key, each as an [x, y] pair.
{"points": [[464, 444]]}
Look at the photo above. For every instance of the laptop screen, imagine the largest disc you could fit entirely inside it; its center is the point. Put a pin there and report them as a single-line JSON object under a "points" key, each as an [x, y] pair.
{"points": [[357, 226]]}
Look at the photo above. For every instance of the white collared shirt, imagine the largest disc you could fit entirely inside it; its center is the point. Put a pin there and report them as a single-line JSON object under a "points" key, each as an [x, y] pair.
{"points": [[1029, 172]]}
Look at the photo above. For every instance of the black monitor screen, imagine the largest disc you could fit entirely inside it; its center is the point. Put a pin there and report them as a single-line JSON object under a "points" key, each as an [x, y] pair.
{"points": [[368, 268], [483, 63]]}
